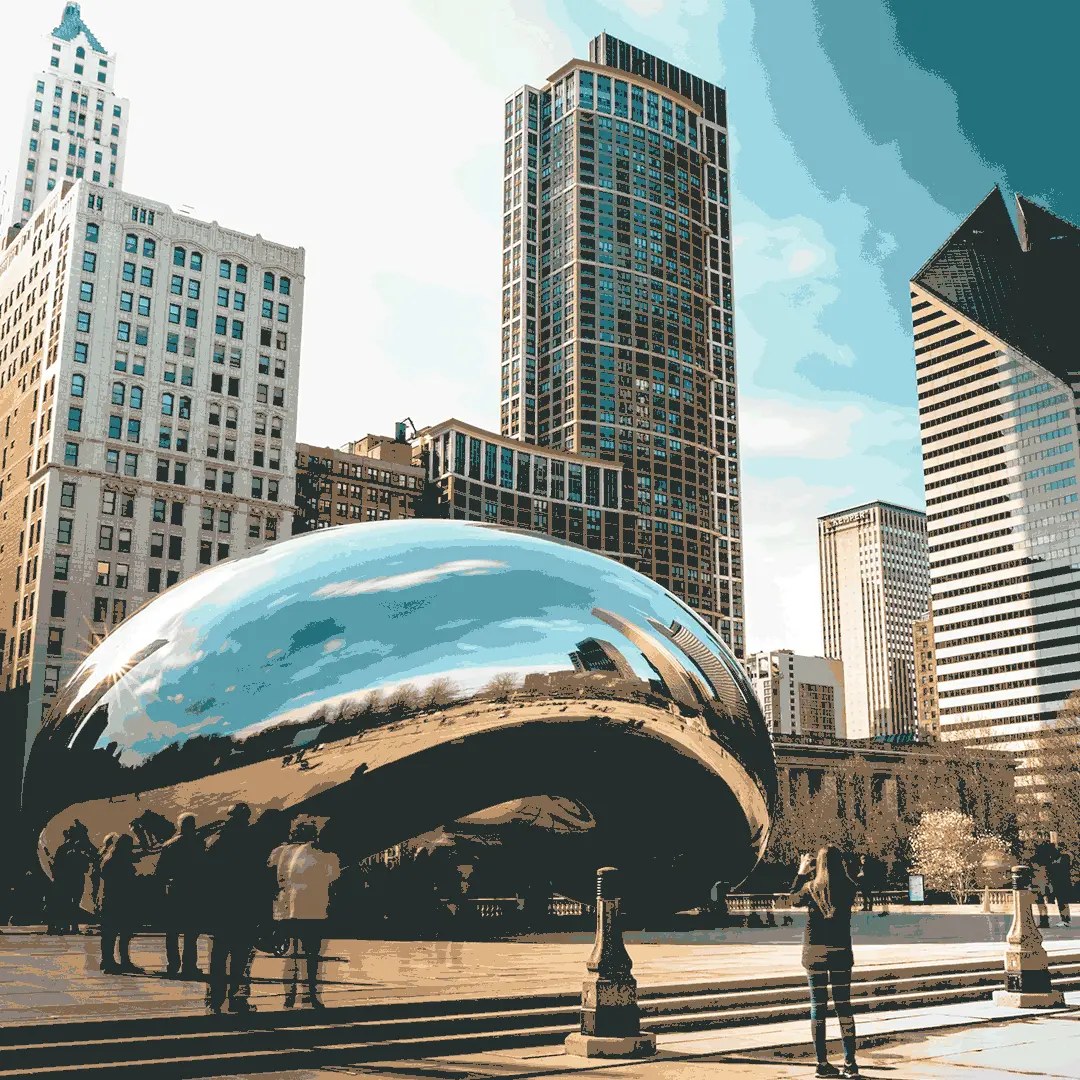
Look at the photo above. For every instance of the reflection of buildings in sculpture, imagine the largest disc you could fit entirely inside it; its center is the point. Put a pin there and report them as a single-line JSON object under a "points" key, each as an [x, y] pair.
{"points": [[710, 665], [684, 687], [594, 654]]}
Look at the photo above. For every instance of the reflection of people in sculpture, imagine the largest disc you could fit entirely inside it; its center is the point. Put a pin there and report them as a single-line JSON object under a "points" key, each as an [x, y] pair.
{"points": [[179, 869], [305, 873], [824, 887], [74, 858], [152, 829]]}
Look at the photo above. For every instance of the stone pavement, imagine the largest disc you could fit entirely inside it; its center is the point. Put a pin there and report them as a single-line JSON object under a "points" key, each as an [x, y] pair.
{"points": [[975, 1041], [46, 978]]}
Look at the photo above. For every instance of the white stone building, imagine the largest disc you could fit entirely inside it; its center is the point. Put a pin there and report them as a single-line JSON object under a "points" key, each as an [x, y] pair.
{"points": [[799, 695], [75, 126], [874, 584], [149, 365]]}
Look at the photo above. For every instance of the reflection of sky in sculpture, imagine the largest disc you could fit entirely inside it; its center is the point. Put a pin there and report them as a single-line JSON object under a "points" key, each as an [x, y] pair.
{"points": [[270, 637]]}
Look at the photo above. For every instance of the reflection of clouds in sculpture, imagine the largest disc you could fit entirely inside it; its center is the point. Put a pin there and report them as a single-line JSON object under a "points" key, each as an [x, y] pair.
{"points": [[326, 619], [395, 582]]}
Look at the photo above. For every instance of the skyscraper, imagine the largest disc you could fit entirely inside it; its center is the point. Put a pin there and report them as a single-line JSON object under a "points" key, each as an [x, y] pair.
{"points": [[149, 368], [799, 695], [997, 372], [617, 336], [874, 585], [75, 124]]}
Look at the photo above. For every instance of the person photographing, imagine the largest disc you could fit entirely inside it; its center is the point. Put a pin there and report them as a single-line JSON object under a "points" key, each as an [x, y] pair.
{"points": [[823, 886]]}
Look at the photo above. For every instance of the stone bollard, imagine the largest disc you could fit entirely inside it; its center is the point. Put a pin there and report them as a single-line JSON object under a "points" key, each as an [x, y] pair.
{"points": [[1027, 969], [986, 908], [610, 1021]]}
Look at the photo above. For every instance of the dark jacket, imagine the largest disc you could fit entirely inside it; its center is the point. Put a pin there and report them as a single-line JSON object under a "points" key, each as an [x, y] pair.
{"points": [[180, 870], [119, 888], [235, 881], [827, 941]]}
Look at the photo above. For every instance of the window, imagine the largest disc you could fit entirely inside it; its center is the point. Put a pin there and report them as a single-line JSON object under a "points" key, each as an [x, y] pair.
{"points": [[227, 479], [206, 552], [283, 312], [191, 317], [239, 299], [55, 646], [153, 579], [74, 422], [82, 322], [128, 272], [196, 260], [81, 352], [134, 429], [225, 269], [144, 306], [149, 248], [89, 262], [108, 502], [157, 545], [123, 572], [115, 424], [268, 309], [86, 292], [268, 281], [210, 479], [58, 607], [126, 300], [185, 408], [241, 273], [272, 490], [131, 243], [136, 397], [179, 472], [92, 232], [159, 510], [78, 385], [176, 544], [223, 297], [179, 256], [146, 277], [176, 285], [104, 573], [224, 521], [174, 313], [172, 343], [105, 537], [101, 608], [67, 494], [131, 464], [118, 393], [167, 401], [193, 288], [123, 331], [284, 286], [176, 513], [238, 329], [60, 567], [256, 487], [112, 461]]}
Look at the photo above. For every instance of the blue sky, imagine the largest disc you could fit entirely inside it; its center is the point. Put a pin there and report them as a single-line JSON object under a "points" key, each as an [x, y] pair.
{"points": [[371, 135]]}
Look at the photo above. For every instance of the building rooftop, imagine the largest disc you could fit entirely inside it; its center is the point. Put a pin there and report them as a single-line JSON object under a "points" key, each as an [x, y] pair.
{"points": [[868, 505], [72, 25]]}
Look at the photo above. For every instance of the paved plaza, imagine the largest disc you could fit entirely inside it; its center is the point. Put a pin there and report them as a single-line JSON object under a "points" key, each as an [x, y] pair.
{"points": [[49, 978]]}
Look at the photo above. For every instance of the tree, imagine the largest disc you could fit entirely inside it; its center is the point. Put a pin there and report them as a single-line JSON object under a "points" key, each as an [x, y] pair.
{"points": [[948, 852]]}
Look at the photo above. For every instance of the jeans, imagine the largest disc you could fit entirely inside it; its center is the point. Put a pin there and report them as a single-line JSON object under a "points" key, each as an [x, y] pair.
{"points": [[191, 949], [819, 1007], [230, 954]]}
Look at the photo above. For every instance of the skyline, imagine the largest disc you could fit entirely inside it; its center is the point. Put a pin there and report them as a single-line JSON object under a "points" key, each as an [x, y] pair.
{"points": [[821, 279]]}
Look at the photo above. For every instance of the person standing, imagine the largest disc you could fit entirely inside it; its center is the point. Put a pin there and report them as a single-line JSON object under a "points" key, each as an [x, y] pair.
{"points": [[823, 885], [179, 870], [119, 903], [1059, 871], [865, 883], [234, 885], [305, 873]]}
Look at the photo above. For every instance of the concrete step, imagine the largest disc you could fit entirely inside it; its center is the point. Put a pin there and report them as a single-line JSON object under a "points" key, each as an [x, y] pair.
{"points": [[205, 1045]]}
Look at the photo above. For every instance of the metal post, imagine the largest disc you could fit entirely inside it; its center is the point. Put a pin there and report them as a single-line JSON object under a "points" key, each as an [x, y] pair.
{"points": [[610, 1020], [1027, 968]]}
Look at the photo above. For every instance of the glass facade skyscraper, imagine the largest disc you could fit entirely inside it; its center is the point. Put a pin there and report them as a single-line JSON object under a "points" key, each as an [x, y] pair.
{"points": [[618, 339], [997, 373]]}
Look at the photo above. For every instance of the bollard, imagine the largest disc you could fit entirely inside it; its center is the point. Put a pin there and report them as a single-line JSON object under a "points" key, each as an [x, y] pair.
{"points": [[1027, 969], [610, 1021], [986, 908]]}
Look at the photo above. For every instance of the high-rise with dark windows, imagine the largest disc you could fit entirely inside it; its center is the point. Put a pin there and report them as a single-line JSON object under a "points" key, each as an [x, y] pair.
{"points": [[617, 305], [997, 370]]}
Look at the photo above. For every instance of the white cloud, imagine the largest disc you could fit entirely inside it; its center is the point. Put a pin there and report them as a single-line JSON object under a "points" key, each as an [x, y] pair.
{"points": [[393, 582], [772, 427]]}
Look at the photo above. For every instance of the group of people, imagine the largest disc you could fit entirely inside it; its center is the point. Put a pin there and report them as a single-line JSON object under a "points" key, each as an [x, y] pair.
{"points": [[1052, 880], [276, 894]]}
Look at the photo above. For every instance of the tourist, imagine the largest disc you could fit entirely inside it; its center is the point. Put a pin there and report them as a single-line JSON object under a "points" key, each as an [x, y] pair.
{"points": [[180, 870], [305, 873], [1041, 885], [119, 903], [823, 885], [71, 863], [235, 886], [864, 879], [1059, 871]]}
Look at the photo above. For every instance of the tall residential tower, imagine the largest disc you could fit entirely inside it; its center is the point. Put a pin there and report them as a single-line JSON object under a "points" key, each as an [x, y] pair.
{"points": [[617, 335], [75, 125], [997, 371], [874, 585]]}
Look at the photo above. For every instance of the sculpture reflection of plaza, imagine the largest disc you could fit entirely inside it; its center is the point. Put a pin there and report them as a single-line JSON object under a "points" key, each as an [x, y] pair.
{"points": [[392, 678]]}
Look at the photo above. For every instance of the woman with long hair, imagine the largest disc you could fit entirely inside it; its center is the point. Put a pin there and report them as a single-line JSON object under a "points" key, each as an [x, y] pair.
{"points": [[824, 887], [118, 904]]}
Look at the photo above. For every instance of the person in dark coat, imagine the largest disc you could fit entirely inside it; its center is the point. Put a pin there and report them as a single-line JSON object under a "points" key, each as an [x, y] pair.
{"points": [[71, 863], [179, 871], [1059, 870], [236, 883], [119, 904], [823, 885]]}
